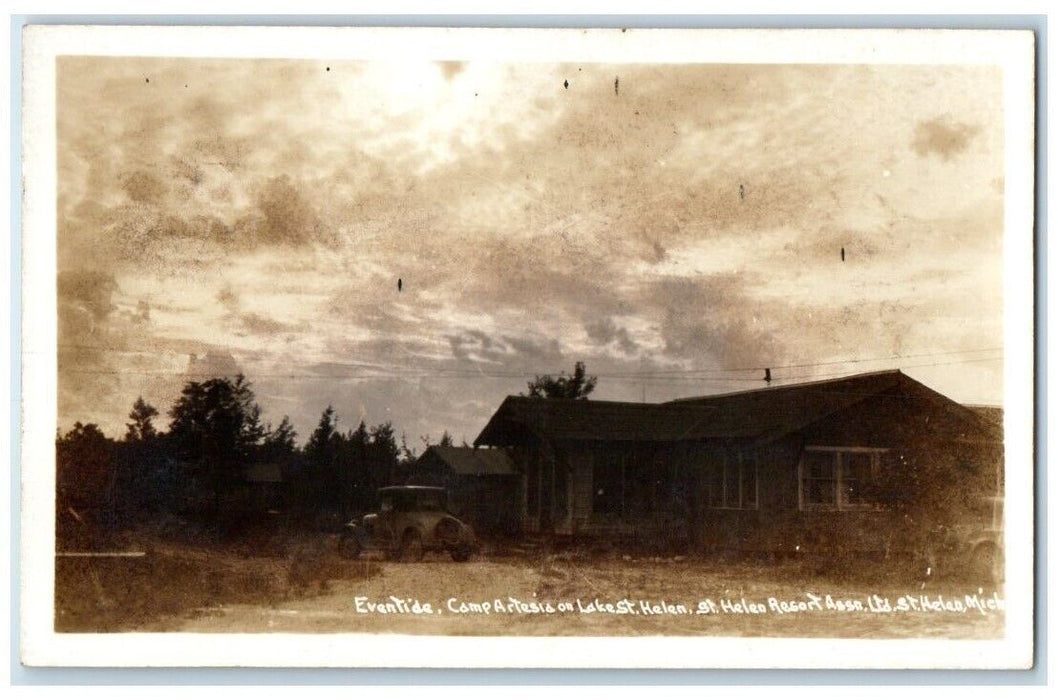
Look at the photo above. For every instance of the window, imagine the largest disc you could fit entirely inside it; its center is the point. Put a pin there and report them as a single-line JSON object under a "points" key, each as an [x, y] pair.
{"points": [[819, 479], [732, 482], [856, 476], [838, 478]]}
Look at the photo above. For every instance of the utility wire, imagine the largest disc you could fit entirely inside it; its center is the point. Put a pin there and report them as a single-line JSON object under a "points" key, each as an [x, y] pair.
{"points": [[644, 373], [692, 376]]}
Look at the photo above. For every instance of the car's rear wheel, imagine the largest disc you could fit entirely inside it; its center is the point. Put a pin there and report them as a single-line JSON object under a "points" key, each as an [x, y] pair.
{"points": [[411, 548], [448, 531], [349, 546]]}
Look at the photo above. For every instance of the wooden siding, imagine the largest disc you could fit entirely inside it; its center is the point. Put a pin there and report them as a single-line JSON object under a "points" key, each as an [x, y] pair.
{"points": [[657, 490]]}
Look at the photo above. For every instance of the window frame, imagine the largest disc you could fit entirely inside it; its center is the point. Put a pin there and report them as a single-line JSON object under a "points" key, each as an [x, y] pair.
{"points": [[741, 462], [840, 502]]}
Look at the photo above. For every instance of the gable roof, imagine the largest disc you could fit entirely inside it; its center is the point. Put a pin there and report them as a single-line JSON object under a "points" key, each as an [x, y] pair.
{"points": [[576, 419], [776, 411], [471, 461], [760, 415]]}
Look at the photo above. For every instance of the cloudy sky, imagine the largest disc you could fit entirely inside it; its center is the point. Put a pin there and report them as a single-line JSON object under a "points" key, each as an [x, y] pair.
{"points": [[677, 228]]}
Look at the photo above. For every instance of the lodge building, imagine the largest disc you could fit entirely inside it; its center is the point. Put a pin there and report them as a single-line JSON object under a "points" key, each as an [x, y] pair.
{"points": [[849, 463]]}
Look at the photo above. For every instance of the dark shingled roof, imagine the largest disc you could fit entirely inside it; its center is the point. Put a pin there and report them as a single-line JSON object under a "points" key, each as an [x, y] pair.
{"points": [[760, 414], [467, 460], [593, 420]]}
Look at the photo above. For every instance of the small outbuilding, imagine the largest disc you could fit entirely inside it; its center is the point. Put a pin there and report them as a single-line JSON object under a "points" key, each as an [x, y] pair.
{"points": [[483, 486]]}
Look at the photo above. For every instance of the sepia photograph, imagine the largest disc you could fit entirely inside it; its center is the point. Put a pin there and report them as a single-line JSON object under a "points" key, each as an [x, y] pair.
{"points": [[556, 337]]}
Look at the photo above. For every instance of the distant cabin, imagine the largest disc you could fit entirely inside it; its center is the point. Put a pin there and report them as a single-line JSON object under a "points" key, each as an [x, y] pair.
{"points": [[822, 465], [483, 486], [262, 486]]}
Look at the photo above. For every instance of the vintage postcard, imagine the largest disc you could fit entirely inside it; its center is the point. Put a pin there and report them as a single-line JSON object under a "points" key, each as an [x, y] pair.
{"points": [[527, 348]]}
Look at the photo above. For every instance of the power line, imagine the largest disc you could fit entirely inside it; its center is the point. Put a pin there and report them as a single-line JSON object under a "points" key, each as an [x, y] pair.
{"points": [[883, 358], [396, 373], [966, 360], [645, 374]]}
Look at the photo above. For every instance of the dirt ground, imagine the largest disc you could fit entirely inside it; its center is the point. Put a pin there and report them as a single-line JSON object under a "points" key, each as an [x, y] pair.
{"points": [[612, 595]]}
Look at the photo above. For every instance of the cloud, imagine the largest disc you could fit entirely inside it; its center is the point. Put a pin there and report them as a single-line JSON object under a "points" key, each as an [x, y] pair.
{"points": [[160, 228], [605, 331], [89, 334], [509, 351], [213, 364], [256, 323], [253, 322], [943, 137], [692, 220], [88, 292], [228, 298], [191, 166], [712, 321], [476, 346], [538, 351], [288, 218], [144, 187]]}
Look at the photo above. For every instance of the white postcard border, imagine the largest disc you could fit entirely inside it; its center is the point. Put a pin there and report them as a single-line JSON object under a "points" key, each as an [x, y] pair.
{"points": [[1012, 51]]}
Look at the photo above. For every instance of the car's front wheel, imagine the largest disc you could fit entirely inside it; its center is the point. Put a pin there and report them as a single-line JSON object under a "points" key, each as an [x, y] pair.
{"points": [[349, 546], [460, 554]]}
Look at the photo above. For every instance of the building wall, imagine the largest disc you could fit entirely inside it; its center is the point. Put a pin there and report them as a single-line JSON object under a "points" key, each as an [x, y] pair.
{"points": [[490, 503], [778, 524], [932, 460], [934, 484], [658, 490]]}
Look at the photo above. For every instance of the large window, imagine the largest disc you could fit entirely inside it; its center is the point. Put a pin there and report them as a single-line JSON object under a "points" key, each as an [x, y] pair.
{"points": [[838, 478], [731, 482]]}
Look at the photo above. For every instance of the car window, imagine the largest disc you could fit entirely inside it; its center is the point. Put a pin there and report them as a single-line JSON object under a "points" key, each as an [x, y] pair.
{"points": [[431, 501]]}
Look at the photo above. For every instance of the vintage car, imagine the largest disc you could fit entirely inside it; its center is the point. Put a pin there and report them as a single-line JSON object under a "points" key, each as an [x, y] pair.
{"points": [[411, 521], [984, 546], [971, 548]]}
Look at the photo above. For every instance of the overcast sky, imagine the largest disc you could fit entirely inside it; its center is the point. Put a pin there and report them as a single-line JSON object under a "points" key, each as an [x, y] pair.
{"points": [[677, 228]]}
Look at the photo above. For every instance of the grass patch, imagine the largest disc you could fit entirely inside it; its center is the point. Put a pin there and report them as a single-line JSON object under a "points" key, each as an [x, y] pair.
{"points": [[123, 594]]}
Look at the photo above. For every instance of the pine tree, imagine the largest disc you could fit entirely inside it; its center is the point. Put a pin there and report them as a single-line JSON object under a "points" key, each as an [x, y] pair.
{"points": [[141, 429], [578, 386]]}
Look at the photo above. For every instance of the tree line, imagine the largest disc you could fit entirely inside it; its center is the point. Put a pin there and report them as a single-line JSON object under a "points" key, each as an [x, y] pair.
{"points": [[217, 460]]}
